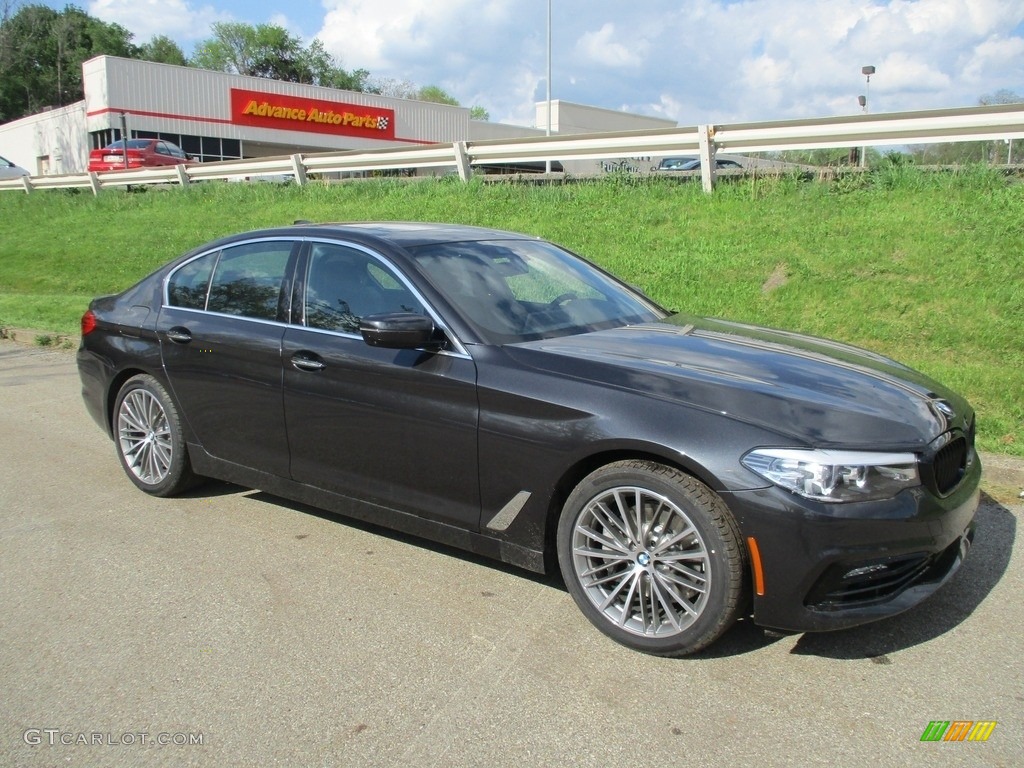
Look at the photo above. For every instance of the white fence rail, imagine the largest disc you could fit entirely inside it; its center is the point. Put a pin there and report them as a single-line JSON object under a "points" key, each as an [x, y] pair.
{"points": [[1000, 122]]}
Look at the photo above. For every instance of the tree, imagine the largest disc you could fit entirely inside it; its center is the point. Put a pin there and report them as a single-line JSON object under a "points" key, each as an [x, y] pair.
{"points": [[41, 55], [1002, 96], [267, 50], [436, 95], [163, 50], [392, 88], [324, 70]]}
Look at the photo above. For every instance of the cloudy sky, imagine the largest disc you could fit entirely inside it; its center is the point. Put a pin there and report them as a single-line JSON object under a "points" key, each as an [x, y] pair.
{"points": [[692, 61]]}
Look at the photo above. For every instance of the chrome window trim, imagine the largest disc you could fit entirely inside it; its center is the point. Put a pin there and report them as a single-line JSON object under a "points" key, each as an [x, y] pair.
{"points": [[228, 314], [459, 349], [166, 298]]}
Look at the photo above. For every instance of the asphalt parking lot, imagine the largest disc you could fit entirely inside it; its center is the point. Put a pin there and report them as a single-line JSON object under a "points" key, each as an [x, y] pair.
{"points": [[233, 628]]}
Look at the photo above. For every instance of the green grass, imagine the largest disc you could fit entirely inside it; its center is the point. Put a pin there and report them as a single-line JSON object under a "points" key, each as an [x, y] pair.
{"points": [[926, 268]]}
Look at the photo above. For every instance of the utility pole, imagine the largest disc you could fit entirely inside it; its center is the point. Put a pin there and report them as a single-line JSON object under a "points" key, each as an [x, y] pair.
{"points": [[867, 71]]}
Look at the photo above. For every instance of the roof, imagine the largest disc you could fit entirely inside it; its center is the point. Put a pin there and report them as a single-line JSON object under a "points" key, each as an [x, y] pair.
{"points": [[412, 233]]}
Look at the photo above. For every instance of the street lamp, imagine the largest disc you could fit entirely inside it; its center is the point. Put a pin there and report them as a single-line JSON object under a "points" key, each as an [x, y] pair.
{"points": [[547, 163], [867, 71]]}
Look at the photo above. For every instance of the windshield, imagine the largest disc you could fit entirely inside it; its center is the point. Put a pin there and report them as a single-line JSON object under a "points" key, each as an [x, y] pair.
{"points": [[676, 163], [522, 290]]}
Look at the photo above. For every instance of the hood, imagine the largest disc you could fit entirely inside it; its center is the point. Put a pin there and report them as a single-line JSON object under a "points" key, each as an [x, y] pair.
{"points": [[819, 392]]}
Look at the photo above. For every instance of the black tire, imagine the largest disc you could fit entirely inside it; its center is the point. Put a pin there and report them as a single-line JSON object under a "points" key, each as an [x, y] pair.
{"points": [[667, 581], [149, 439]]}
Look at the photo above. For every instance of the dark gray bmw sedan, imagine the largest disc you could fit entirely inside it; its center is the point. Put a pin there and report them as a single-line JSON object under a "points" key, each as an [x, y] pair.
{"points": [[493, 391]]}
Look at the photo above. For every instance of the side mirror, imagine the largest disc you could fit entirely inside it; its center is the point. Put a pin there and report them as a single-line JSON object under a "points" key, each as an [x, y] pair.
{"points": [[398, 330]]}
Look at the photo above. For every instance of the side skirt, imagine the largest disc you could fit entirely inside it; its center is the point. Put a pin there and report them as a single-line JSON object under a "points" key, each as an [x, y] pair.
{"points": [[442, 533]]}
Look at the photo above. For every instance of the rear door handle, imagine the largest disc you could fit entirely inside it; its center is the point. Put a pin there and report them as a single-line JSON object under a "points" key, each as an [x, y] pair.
{"points": [[179, 335], [307, 362]]}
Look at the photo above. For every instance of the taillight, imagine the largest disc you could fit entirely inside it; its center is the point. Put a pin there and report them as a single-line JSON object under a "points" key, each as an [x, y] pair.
{"points": [[88, 323]]}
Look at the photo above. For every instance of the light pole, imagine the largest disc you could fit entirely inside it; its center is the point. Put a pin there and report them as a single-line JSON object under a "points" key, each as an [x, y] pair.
{"points": [[547, 163], [867, 71]]}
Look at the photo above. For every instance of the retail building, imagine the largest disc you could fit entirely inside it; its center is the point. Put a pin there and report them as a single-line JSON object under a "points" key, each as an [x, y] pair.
{"points": [[216, 116]]}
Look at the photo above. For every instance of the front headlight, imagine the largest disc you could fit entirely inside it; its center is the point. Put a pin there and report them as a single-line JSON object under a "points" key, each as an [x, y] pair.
{"points": [[835, 475]]}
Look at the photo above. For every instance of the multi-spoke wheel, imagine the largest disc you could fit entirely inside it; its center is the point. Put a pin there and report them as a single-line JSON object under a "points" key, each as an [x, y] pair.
{"points": [[652, 557], [149, 438]]}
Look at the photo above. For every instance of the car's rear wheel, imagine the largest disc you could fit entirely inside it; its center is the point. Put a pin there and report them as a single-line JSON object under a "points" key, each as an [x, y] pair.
{"points": [[652, 557], [149, 439]]}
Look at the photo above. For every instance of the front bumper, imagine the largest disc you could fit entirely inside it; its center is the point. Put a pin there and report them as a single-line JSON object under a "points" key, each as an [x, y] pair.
{"points": [[833, 566]]}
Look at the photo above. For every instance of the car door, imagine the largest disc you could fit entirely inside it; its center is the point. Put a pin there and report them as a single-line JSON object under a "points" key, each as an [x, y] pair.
{"points": [[220, 334], [396, 428], [162, 154]]}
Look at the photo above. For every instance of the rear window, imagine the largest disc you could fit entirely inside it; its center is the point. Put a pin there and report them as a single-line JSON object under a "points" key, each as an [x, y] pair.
{"points": [[132, 144], [190, 284]]}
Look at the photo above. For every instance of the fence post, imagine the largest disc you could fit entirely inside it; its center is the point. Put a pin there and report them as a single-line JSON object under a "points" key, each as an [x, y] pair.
{"points": [[94, 182], [706, 137], [462, 161], [182, 175], [299, 169]]}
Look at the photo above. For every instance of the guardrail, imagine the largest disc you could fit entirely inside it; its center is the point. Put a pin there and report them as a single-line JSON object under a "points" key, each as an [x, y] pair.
{"points": [[897, 128]]}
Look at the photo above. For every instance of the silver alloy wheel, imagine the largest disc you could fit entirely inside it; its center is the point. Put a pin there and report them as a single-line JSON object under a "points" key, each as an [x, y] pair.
{"points": [[641, 561], [144, 435]]}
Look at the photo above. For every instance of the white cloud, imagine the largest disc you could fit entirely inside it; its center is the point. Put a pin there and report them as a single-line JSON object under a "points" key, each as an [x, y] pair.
{"points": [[600, 49], [378, 35], [176, 19], [996, 63]]}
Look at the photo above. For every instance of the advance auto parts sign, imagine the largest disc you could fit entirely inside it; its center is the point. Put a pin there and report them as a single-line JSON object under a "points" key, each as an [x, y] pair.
{"points": [[293, 113]]}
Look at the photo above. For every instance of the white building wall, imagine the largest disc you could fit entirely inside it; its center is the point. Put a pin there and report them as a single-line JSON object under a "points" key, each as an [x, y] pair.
{"points": [[480, 130], [48, 143], [569, 118]]}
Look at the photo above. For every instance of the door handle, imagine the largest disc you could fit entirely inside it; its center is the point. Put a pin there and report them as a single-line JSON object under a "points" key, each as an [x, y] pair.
{"points": [[306, 363], [179, 335]]}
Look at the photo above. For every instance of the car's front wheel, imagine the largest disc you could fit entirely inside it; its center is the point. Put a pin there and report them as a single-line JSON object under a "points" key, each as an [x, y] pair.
{"points": [[652, 557], [150, 443]]}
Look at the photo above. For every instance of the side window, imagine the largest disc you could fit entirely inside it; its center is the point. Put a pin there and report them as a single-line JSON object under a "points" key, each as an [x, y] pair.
{"points": [[248, 280], [189, 285], [345, 285]]}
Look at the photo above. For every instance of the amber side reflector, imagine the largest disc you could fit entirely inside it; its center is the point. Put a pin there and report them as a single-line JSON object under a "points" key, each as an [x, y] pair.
{"points": [[755, 564]]}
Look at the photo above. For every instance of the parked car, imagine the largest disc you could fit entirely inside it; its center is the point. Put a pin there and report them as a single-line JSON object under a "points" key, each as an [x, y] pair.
{"points": [[693, 164], [142, 153], [9, 170], [496, 392]]}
